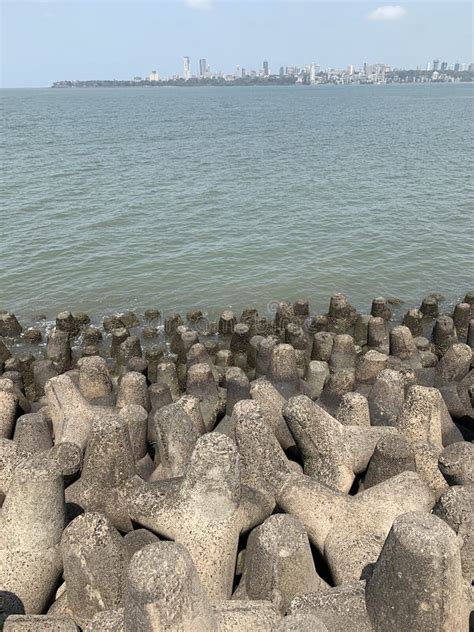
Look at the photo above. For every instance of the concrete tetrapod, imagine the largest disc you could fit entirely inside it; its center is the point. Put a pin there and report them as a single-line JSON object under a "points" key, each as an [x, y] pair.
{"points": [[423, 416], [353, 410], [66, 458], [237, 385], [94, 378], [176, 435], [136, 540], [420, 558], [133, 390], [163, 593], [94, 556], [108, 472], [206, 510], [283, 371], [11, 455], [237, 389], [33, 433], [335, 387], [369, 366], [278, 563], [317, 373], [332, 453], [456, 463], [386, 398], [201, 384], [264, 465], [349, 531], [243, 407], [8, 408], [271, 404], [395, 454], [31, 523], [455, 508], [71, 413], [8, 385]]}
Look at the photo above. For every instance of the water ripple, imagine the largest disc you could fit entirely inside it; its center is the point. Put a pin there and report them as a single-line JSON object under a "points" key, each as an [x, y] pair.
{"points": [[177, 198]]}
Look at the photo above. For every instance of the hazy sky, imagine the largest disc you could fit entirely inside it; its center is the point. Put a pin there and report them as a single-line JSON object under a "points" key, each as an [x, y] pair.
{"points": [[88, 39]]}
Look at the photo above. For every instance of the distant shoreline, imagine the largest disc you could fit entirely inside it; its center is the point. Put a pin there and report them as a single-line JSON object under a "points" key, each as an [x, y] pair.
{"points": [[394, 77], [251, 85], [86, 84]]}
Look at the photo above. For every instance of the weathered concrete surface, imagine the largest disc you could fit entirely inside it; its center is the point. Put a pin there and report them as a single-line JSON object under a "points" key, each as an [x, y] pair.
{"points": [[273, 452]]}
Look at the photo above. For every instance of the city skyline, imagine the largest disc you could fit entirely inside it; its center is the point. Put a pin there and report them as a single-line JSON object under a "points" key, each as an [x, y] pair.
{"points": [[120, 40], [309, 74], [205, 70]]}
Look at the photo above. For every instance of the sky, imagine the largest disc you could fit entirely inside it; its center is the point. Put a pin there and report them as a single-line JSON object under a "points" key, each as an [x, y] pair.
{"points": [[42, 42]]}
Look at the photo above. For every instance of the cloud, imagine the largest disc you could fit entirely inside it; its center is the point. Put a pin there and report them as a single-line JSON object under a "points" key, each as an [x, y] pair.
{"points": [[202, 5], [388, 12]]}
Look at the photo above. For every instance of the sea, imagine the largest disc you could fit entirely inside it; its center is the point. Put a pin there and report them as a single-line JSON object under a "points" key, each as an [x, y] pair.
{"points": [[225, 197]]}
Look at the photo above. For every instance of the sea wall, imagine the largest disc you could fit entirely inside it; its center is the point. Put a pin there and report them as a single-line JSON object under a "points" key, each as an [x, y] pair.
{"points": [[277, 472]]}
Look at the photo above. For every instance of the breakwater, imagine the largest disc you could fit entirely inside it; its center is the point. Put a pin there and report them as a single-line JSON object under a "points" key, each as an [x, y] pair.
{"points": [[293, 471]]}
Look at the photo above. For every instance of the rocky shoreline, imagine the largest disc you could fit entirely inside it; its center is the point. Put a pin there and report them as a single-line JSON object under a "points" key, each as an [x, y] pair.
{"points": [[290, 472]]}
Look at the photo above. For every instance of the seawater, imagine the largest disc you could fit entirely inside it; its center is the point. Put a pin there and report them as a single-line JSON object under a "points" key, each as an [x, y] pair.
{"points": [[175, 198]]}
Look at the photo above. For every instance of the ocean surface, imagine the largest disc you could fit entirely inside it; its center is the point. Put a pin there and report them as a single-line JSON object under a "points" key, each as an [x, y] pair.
{"points": [[178, 198]]}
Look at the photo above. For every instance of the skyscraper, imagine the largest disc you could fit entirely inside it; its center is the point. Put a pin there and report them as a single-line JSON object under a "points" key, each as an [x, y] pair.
{"points": [[282, 71], [444, 65], [435, 64], [456, 66], [186, 68], [265, 68], [202, 67]]}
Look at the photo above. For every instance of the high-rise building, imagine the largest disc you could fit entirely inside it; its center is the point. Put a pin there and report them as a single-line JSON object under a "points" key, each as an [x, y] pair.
{"points": [[244, 74], [312, 73], [457, 66], [265, 69], [186, 68], [282, 71], [153, 76], [350, 69], [435, 64], [444, 66], [429, 66], [202, 67]]}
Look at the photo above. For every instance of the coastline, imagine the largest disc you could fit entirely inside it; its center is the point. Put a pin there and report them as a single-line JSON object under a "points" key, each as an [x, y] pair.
{"points": [[152, 323], [237, 84]]}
